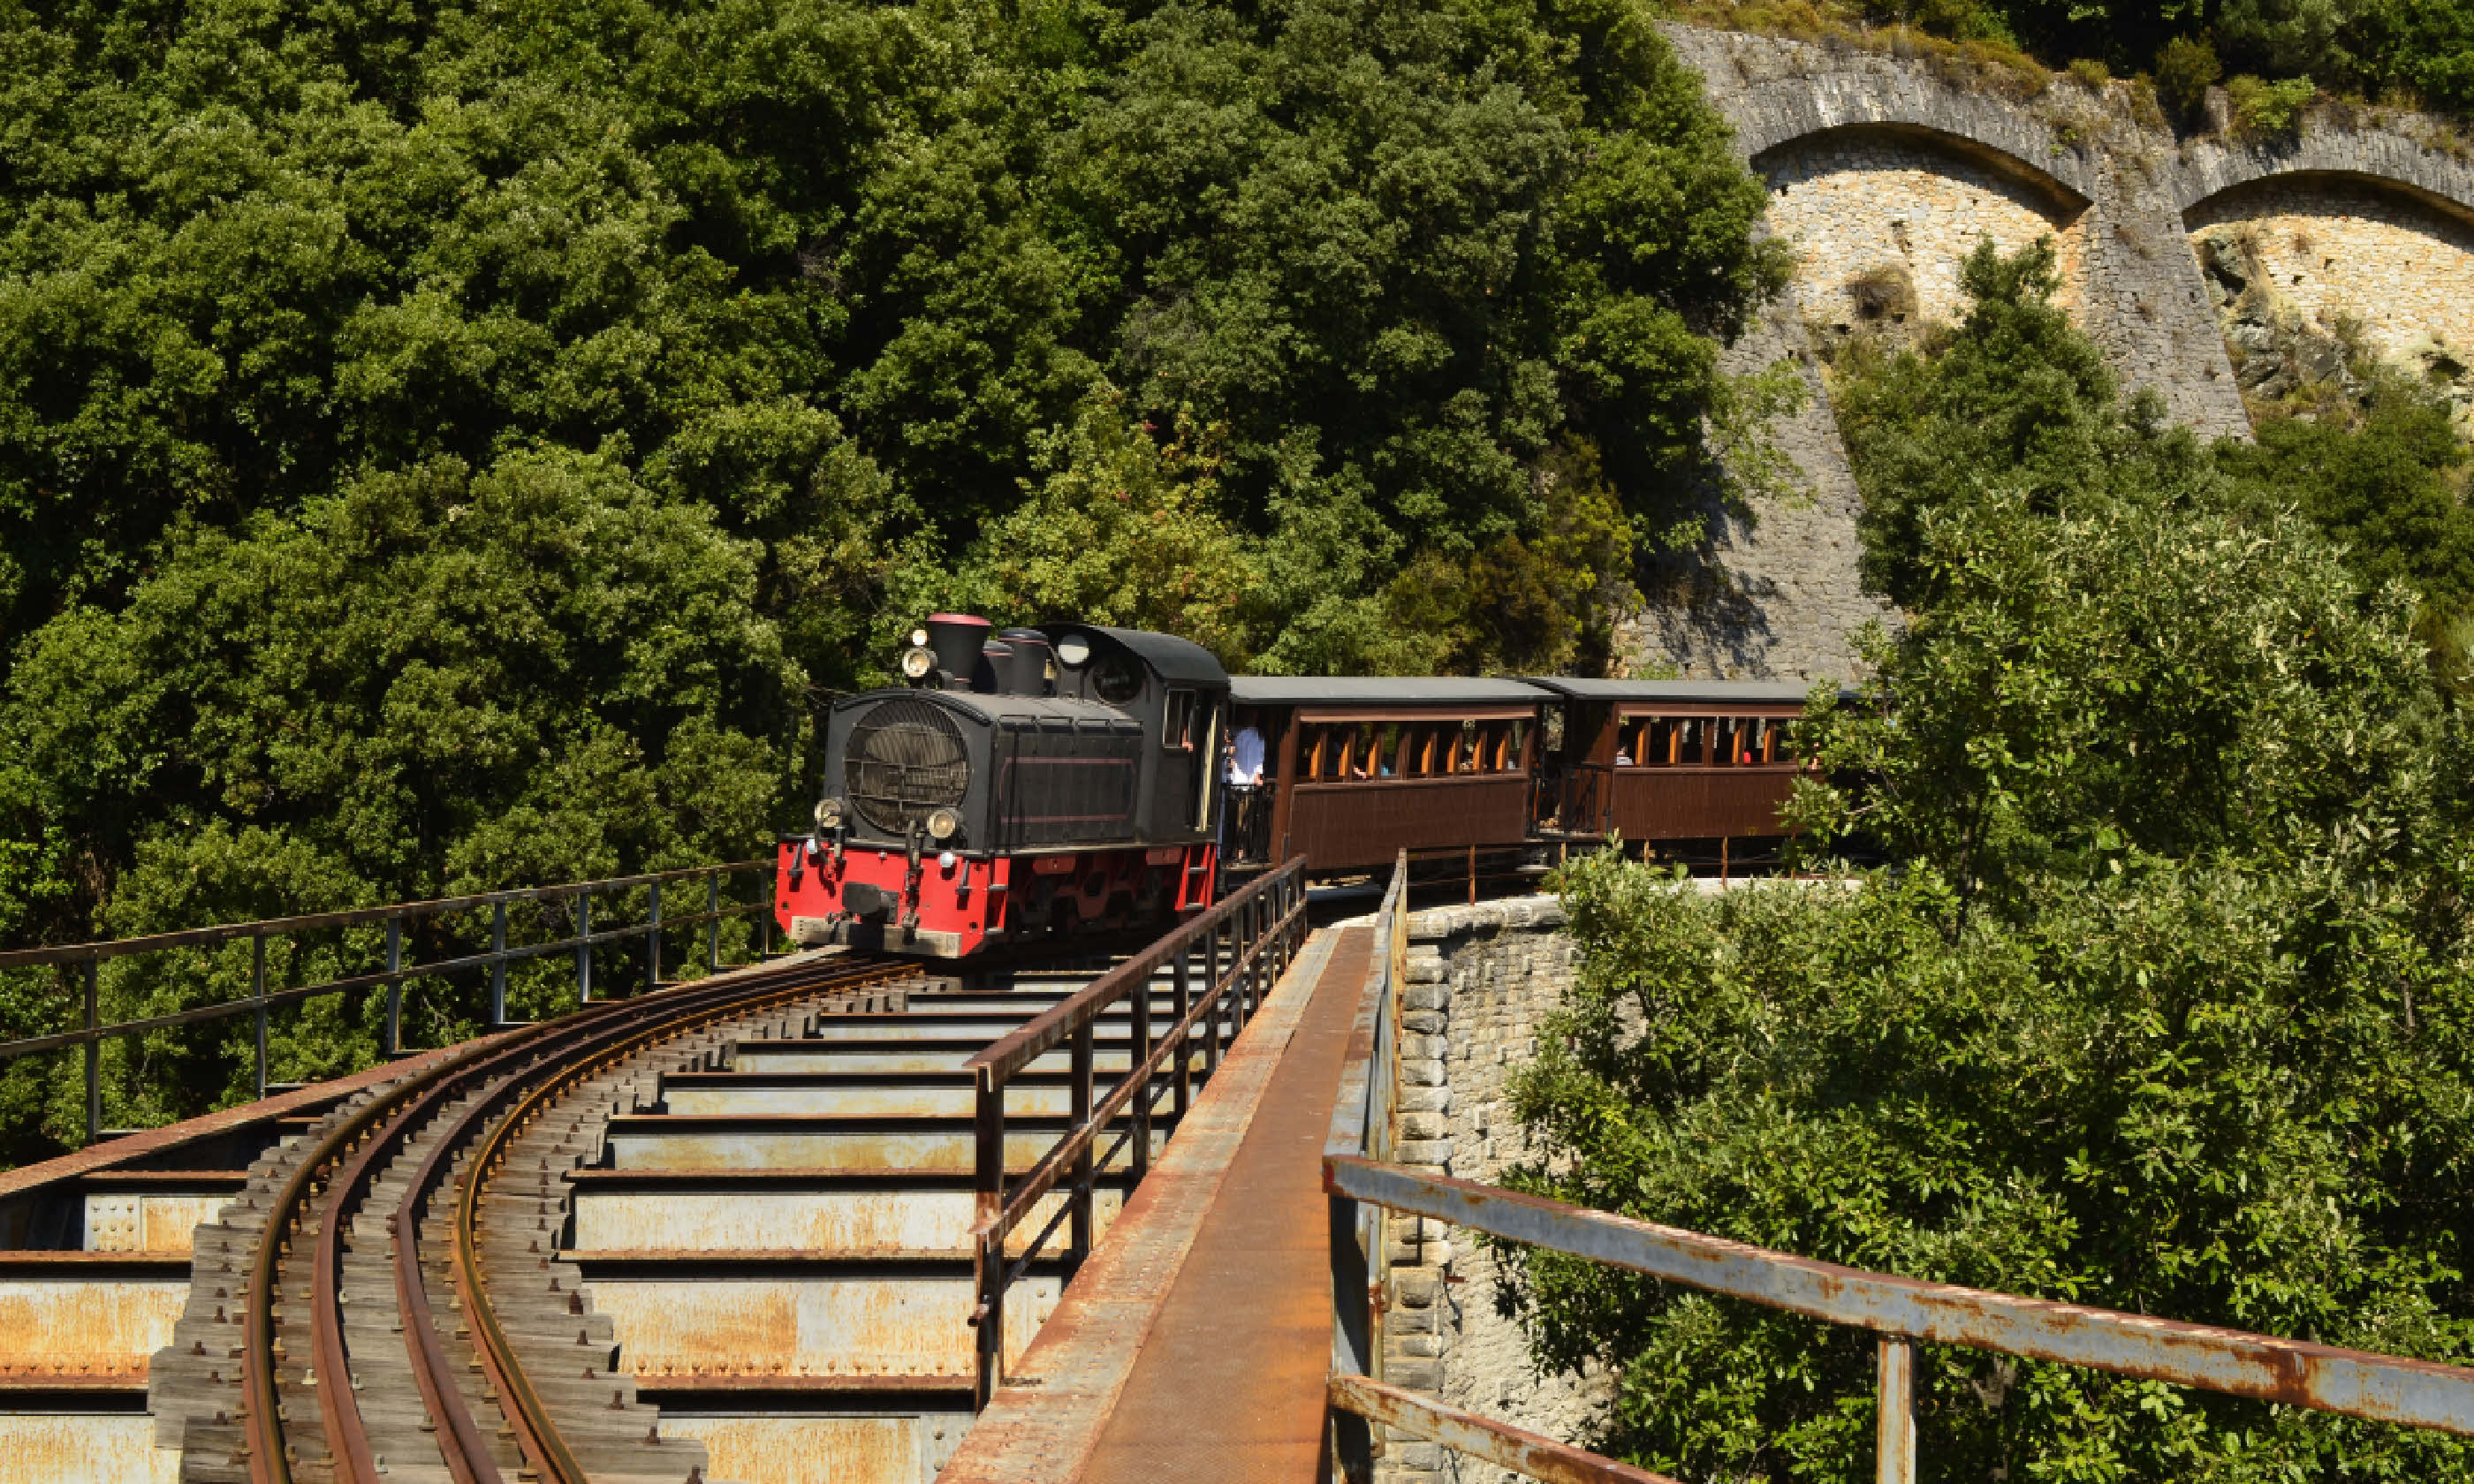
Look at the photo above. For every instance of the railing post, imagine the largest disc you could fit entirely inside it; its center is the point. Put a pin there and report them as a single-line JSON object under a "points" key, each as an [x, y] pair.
{"points": [[1211, 997], [1184, 1090], [712, 924], [1352, 1337], [395, 986], [257, 992], [764, 922], [498, 966], [583, 950], [1896, 1437], [653, 946], [1079, 1192], [989, 1201], [93, 1051], [1142, 1144]]}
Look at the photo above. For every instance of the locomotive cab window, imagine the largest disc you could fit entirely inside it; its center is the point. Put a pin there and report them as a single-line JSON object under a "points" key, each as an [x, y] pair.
{"points": [[1177, 726]]}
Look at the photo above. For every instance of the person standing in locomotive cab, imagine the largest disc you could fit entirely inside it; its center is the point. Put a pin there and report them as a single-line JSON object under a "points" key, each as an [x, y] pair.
{"points": [[1245, 788]]}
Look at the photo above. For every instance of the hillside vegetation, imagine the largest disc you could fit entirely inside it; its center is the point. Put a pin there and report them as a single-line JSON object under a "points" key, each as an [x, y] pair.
{"points": [[457, 445], [2168, 1007]]}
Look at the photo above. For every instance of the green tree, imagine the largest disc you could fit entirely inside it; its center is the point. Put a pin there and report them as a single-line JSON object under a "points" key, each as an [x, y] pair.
{"points": [[2168, 1007]]}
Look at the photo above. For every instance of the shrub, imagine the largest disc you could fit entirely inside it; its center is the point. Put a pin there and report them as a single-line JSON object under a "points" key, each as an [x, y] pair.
{"points": [[2265, 110], [2186, 68], [2091, 74]]}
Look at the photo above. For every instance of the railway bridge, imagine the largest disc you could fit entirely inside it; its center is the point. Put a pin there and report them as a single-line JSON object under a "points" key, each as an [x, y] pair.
{"points": [[828, 1215]]}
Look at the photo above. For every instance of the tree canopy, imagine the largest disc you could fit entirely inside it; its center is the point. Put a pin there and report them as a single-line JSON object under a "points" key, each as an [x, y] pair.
{"points": [[450, 447], [2167, 1007]]}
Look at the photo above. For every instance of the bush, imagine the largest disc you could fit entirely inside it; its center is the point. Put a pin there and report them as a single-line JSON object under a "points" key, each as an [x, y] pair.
{"points": [[2266, 111], [2093, 75], [2186, 68], [2170, 1008]]}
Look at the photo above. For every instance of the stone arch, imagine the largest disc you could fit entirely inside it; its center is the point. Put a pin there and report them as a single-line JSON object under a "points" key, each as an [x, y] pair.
{"points": [[1881, 213], [2304, 260]]}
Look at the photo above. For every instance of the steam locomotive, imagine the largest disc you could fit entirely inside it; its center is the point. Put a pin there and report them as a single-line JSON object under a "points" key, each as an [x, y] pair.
{"points": [[1031, 783], [1040, 783]]}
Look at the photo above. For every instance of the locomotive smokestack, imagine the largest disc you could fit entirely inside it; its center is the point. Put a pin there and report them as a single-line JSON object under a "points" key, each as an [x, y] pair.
{"points": [[996, 657], [1025, 671], [957, 637]]}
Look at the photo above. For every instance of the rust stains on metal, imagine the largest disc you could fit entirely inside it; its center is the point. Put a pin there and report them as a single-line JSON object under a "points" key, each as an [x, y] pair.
{"points": [[811, 1449], [85, 1449], [2294, 1373], [106, 1329], [1085, 1355], [1532, 1454]]}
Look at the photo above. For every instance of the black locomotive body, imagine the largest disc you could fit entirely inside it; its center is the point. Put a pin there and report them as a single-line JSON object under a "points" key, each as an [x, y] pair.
{"points": [[1034, 784]]}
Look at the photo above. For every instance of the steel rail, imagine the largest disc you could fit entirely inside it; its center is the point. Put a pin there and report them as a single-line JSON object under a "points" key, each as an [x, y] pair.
{"points": [[537, 1432], [264, 1417], [386, 1117], [366, 1134]]}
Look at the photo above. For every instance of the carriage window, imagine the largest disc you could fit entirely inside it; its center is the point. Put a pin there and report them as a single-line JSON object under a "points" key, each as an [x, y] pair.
{"points": [[1722, 740], [1519, 744], [1688, 733], [1389, 747], [1177, 725], [1421, 752]]}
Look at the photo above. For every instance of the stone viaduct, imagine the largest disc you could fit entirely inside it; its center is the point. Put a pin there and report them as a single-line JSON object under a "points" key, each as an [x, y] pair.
{"points": [[1885, 170]]}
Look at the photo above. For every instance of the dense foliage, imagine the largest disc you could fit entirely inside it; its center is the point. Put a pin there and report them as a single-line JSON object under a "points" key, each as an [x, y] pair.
{"points": [[2169, 1007], [447, 446]]}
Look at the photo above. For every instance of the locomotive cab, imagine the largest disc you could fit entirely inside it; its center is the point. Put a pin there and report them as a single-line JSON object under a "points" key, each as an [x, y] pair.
{"points": [[1039, 784]]}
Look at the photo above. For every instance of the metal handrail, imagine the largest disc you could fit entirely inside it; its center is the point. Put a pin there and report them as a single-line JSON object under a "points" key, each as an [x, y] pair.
{"points": [[91, 956], [1903, 1310], [1263, 926], [1360, 1128]]}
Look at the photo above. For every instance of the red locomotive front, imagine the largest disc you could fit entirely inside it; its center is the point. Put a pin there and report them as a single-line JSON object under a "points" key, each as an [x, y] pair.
{"points": [[1038, 785]]}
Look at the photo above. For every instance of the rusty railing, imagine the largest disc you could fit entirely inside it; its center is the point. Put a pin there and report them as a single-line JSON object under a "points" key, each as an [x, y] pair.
{"points": [[1899, 1311], [1360, 1128], [1244, 943], [89, 958]]}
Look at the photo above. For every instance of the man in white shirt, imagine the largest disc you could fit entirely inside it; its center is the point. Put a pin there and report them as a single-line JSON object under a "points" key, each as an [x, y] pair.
{"points": [[1246, 757]]}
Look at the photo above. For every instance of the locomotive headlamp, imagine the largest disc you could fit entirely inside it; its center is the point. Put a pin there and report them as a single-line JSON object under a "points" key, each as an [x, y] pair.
{"points": [[1072, 649], [829, 814], [917, 661], [918, 638], [942, 824]]}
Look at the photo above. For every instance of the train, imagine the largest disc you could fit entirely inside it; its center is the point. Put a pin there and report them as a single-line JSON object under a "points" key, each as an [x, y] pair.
{"points": [[1036, 785]]}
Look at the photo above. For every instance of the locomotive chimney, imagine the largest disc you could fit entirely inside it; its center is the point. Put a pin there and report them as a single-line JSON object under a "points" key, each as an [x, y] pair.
{"points": [[1024, 672], [957, 637], [996, 657]]}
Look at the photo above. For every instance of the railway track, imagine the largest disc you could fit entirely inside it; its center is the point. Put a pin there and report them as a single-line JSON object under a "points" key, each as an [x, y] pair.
{"points": [[722, 1234], [385, 1300]]}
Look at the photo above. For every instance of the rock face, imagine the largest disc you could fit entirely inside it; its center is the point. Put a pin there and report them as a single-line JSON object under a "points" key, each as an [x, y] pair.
{"points": [[2225, 277]]}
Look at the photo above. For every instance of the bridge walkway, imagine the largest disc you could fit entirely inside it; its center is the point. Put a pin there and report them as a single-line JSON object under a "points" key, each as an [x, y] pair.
{"points": [[1196, 1343]]}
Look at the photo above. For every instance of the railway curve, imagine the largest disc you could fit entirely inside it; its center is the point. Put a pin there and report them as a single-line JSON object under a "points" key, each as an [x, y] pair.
{"points": [[385, 1300]]}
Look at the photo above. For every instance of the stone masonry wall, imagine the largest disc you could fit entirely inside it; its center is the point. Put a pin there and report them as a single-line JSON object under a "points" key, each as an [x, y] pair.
{"points": [[1885, 170], [1479, 980]]}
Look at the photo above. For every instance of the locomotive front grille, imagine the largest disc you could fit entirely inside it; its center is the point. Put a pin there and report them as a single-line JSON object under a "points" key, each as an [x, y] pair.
{"points": [[904, 760]]}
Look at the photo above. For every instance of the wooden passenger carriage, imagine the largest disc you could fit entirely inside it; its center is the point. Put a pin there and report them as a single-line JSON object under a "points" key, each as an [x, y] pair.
{"points": [[1357, 770], [1654, 760]]}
